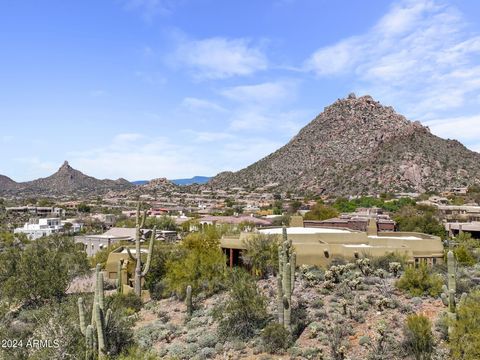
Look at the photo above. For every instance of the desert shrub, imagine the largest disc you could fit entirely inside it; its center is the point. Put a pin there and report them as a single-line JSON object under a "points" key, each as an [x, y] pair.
{"points": [[42, 270], [244, 312], [418, 337], [146, 336], [198, 262], [155, 278], [299, 319], [321, 212], [382, 262], [261, 254], [420, 281], [137, 353], [124, 302], [275, 338], [465, 339]]}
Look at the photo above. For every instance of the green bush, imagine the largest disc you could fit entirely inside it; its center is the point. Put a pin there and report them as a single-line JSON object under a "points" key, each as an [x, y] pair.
{"points": [[245, 311], [198, 262], [261, 254], [124, 302], [418, 337], [465, 339], [382, 262], [420, 281], [321, 212], [275, 338], [40, 271]]}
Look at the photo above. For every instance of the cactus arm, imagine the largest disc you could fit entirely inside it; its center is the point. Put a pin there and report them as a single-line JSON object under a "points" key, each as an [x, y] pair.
{"points": [[130, 255], [81, 315], [100, 331], [100, 285], [287, 295], [150, 251], [293, 264], [89, 343], [280, 308], [108, 317]]}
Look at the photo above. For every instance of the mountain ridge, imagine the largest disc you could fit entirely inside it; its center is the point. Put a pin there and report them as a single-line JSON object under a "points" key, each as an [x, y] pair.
{"points": [[66, 181]]}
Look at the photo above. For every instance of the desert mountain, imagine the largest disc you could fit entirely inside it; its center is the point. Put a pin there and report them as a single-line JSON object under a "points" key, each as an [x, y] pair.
{"points": [[65, 182], [358, 146]]}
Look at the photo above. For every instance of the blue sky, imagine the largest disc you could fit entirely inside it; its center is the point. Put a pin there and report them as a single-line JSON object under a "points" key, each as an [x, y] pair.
{"points": [[175, 88]]}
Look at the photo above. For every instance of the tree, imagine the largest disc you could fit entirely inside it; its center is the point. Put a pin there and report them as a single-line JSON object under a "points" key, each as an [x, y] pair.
{"points": [[83, 208], [321, 212], [198, 262], [465, 339], [261, 254], [42, 270]]}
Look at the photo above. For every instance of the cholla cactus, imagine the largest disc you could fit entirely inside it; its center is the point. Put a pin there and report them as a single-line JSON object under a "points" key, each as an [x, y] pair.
{"points": [[383, 303], [96, 331], [394, 268], [285, 280], [449, 292], [139, 271], [364, 266]]}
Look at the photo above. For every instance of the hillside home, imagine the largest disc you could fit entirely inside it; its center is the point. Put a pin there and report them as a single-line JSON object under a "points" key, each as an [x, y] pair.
{"points": [[318, 246], [37, 228]]}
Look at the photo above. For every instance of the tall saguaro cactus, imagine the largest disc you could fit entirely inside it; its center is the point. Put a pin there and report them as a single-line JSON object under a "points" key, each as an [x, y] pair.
{"points": [[285, 280], [139, 272], [449, 292], [95, 332]]}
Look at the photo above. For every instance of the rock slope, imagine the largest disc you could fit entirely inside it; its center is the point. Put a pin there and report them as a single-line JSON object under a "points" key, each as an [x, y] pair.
{"points": [[358, 146]]}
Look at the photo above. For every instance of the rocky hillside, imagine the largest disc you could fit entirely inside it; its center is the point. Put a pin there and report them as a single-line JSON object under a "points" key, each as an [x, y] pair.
{"points": [[358, 146], [65, 182], [7, 183]]}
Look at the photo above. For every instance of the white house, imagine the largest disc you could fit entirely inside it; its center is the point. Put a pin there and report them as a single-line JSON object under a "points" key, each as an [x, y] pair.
{"points": [[36, 228]]}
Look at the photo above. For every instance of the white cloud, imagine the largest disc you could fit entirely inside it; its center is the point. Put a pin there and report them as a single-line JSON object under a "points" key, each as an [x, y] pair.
{"points": [[149, 9], [264, 93], [219, 58], [420, 56], [148, 157], [466, 128], [201, 104]]}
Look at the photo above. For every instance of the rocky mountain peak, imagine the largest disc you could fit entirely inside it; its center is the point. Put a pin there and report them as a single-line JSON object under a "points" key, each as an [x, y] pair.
{"points": [[359, 146]]}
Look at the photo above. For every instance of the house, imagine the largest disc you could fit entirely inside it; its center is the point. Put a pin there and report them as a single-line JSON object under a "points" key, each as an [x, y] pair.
{"points": [[318, 246], [37, 211], [37, 228]]}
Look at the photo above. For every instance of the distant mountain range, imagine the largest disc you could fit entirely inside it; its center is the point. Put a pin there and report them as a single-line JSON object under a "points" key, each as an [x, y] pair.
{"points": [[190, 181], [358, 146], [65, 182]]}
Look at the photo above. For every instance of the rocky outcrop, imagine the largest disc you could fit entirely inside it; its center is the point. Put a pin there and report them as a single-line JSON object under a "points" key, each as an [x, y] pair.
{"points": [[358, 146]]}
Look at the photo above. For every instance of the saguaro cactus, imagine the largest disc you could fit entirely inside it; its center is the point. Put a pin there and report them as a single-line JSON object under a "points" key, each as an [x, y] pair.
{"points": [[285, 280], [119, 280], [188, 300], [449, 292], [95, 332], [139, 272]]}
